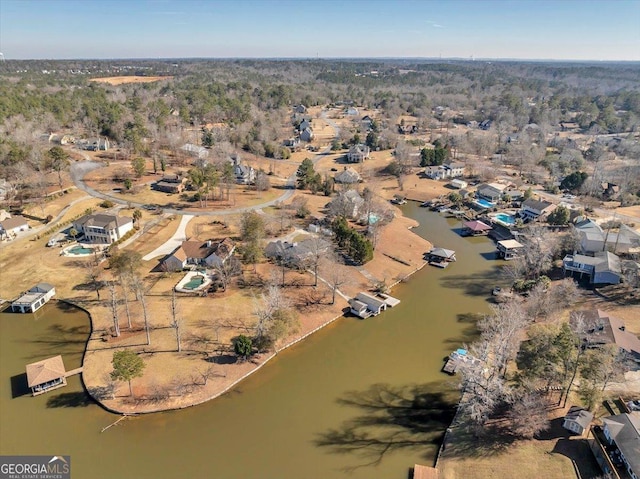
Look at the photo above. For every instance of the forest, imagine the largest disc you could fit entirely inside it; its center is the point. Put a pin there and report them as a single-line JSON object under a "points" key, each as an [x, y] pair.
{"points": [[248, 100]]}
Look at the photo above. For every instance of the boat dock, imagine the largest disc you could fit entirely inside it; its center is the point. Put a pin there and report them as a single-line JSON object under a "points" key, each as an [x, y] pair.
{"points": [[456, 358], [73, 372]]}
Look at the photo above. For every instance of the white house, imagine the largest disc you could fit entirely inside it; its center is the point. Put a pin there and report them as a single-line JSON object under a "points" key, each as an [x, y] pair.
{"points": [[34, 299], [594, 239], [13, 225], [365, 305], [102, 228], [458, 184], [358, 153], [533, 209]]}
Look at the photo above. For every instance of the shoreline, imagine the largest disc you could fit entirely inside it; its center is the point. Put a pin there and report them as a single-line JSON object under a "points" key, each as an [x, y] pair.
{"points": [[115, 406]]}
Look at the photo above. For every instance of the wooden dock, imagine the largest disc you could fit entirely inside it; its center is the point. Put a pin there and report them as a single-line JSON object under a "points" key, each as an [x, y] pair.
{"points": [[73, 372], [425, 472]]}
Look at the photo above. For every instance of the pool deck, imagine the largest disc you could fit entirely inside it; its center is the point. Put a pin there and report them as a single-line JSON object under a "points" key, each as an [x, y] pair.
{"points": [[180, 287]]}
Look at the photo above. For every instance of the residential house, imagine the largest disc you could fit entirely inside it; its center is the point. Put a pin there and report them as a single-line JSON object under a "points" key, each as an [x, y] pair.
{"points": [[292, 143], [306, 135], [296, 254], [352, 111], [458, 184], [569, 126], [594, 239], [622, 434], [407, 129], [245, 174], [103, 228], [454, 169], [199, 152], [366, 122], [34, 299], [485, 125], [95, 144], [199, 253], [596, 328], [490, 191], [358, 153], [434, 172], [304, 124], [347, 204], [509, 249], [577, 420], [13, 225], [300, 109], [602, 268], [348, 176], [46, 375], [365, 305], [170, 184], [532, 209]]}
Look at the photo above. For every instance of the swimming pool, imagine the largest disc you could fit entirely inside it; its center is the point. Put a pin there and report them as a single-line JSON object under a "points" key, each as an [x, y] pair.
{"points": [[79, 250], [484, 203], [194, 282], [506, 219]]}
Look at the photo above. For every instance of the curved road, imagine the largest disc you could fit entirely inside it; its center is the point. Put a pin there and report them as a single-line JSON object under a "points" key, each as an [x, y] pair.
{"points": [[79, 169]]}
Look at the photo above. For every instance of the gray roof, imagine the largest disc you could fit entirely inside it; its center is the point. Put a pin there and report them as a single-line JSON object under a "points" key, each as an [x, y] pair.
{"points": [[538, 205], [104, 221], [41, 288], [348, 175], [625, 431], [442, 253], [580, 416]]}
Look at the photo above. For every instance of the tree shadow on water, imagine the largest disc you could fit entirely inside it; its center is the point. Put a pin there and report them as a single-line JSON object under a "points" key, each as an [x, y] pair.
{"points": [[477, 284], [72, 399], [391, 418]]}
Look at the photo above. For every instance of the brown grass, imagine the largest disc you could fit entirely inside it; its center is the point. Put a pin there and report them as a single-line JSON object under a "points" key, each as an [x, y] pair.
{"points": [[121, 80]]}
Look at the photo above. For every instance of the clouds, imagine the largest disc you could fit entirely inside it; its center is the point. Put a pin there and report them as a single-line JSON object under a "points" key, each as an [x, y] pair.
{"points": [[434, 24]]}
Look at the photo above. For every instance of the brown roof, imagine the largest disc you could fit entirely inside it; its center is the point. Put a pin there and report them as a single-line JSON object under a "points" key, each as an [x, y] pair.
{"points": [[477, 226], [13, 222], [603, 329], [196, 249], [45, 370], [199, 249], [425, 472]]}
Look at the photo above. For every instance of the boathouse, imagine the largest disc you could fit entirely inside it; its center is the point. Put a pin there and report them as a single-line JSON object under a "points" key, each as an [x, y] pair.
{"points": [[509, 249], [34, 299], [365, 305], [440, 257], [475, 228], [46, 375]]}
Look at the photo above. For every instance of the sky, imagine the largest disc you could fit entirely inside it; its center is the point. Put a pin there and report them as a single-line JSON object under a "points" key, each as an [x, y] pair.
{"points": [[519, 29]]}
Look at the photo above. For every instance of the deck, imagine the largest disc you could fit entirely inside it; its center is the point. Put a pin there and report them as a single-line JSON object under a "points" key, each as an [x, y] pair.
{"points": [[389, 300], [73, 372], [425, 472]]}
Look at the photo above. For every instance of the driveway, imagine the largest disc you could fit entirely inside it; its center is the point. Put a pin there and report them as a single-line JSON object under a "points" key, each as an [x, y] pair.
{"points": [[172, 243]]}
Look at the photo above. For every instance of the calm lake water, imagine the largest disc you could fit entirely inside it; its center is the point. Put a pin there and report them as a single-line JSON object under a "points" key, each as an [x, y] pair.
{"points": [[359, 399]]}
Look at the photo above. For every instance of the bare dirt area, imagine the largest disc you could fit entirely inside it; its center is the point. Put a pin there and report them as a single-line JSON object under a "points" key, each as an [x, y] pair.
{"points": [[121, 80]]}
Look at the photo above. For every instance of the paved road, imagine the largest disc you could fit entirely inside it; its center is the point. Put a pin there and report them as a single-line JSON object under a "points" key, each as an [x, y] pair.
{"points": [[172, 243], [79, 169]]}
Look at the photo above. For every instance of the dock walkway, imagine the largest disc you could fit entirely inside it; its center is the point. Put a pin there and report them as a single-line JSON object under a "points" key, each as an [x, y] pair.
{"points": [[73, 372]]}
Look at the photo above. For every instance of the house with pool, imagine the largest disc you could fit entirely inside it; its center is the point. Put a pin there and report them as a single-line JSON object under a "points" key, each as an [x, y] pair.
{"points": [[532, 210], [103, 228], [196, 253]]}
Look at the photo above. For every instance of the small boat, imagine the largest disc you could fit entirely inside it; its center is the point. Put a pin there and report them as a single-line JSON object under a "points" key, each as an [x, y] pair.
{"points": [[426, 204]]}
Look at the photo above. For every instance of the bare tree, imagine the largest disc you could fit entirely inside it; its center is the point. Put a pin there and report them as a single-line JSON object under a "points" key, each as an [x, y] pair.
{"points": [[114, 308], [336, 274], [528, 414], [176, 322], [227, 270]]}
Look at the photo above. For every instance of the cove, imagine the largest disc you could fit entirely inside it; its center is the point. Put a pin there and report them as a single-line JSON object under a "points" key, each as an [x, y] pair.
{"points": [[360, 398]]}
